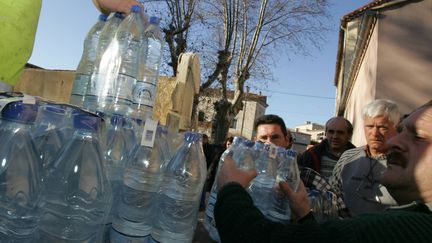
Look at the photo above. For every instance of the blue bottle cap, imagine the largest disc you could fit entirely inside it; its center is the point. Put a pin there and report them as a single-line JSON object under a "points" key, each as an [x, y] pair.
{"points": [[103, 17], [291, 153], [192, 137], [258, 145], [19, 112], [117, 120], [281, 152], [136, 8], [119, 15], [248, 143], [87, 122], [238, 140], [154, 20]]}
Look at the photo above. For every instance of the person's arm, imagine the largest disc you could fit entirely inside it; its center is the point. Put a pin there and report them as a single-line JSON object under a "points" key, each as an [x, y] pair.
{"points": [[238, 220], [107, 6], [335, 179]]}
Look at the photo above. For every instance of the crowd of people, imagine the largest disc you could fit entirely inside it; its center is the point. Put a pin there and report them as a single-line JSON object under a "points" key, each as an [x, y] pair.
{"points": [[385, 184]]}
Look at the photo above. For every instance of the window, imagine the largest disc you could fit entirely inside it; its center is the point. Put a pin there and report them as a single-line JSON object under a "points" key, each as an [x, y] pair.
{"points": [[201, 116], [233, 124]]}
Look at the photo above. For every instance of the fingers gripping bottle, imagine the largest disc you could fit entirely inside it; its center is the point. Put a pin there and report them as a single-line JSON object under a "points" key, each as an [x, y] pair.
{"points": [[243, 154]]}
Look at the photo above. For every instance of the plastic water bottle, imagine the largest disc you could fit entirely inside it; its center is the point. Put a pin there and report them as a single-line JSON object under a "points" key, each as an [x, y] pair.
{"points": [[279, 209], [78, 195], [139, 190], [21, 187], [182, 182], [144, 93], [86, 64], [118, 66], [243, 154], [105, 38], [50, 133], [118, 145], [262, 186]]}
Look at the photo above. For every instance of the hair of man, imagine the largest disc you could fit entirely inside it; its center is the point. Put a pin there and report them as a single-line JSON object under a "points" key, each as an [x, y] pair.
{"points": [[350, 127], [271, 119], [382, 107]]}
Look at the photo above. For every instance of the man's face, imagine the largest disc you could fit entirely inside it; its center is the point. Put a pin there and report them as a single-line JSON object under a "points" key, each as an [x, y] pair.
{"points": [[409, 162], [271, 134], [337, 134], [377, 131]]}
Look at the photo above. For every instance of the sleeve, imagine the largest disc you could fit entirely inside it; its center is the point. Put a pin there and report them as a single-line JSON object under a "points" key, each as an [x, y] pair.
{"points": [[238, 220], [335, 179]]}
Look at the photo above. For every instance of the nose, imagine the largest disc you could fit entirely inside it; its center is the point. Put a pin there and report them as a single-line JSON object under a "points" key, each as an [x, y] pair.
{"points": [[375, 131], [395, 143]]}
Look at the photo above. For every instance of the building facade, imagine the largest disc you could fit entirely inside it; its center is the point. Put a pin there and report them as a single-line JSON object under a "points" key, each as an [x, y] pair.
{"points": [[315, 130], [254, 105], [384, 53]]}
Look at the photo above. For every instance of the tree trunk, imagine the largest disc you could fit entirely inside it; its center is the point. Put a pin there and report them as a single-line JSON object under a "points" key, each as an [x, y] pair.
{"points": [[222, 121]]}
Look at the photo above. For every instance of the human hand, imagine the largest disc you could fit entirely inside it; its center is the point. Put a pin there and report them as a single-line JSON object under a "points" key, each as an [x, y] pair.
{"points": [[299, 201], [107, 6], [230, 173]]}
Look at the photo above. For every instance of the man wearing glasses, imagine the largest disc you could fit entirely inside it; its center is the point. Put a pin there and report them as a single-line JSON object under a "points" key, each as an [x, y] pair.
{"points": [[355, 176]]}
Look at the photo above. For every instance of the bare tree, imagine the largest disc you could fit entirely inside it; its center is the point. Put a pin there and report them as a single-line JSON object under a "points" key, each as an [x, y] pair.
{"points": [[176, 33], [239, 39]]}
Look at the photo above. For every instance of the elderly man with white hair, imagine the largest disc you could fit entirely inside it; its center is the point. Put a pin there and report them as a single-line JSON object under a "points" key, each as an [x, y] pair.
{"points": [[355, 175]]}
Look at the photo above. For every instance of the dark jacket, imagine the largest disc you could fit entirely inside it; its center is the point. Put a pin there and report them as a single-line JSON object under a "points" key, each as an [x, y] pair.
{"points": [[311, 158], [238, 220]]}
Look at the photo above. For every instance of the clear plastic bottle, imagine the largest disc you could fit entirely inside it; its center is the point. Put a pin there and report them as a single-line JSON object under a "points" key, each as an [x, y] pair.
{"points": [[50, 133], [139, 190], [86, 64], [279, 209], [262, 186], [179, 195], [117, 71], [242, 153], [20, 183], [144, 93], [78, 195], [96, 79], [118, 146]]}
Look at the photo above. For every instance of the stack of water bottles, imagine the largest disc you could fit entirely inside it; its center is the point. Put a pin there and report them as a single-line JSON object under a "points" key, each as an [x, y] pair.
{"points": [[119, 69], [55, 185], [53, 179], [117, 79], [273, 164]]}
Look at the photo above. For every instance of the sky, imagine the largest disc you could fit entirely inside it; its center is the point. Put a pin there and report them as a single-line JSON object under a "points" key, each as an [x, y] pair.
{"points": [[303, 89]]}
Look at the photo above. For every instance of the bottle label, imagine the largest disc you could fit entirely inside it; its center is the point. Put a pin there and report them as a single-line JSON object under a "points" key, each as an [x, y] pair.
{"points": [[28, 99], [80, 84], [123, 86], [144, 93], [272, 151], [149, 133]]}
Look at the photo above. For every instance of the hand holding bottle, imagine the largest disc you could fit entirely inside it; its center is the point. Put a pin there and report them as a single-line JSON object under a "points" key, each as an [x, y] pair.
{"points": [[107, 6], [230, 173]]}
